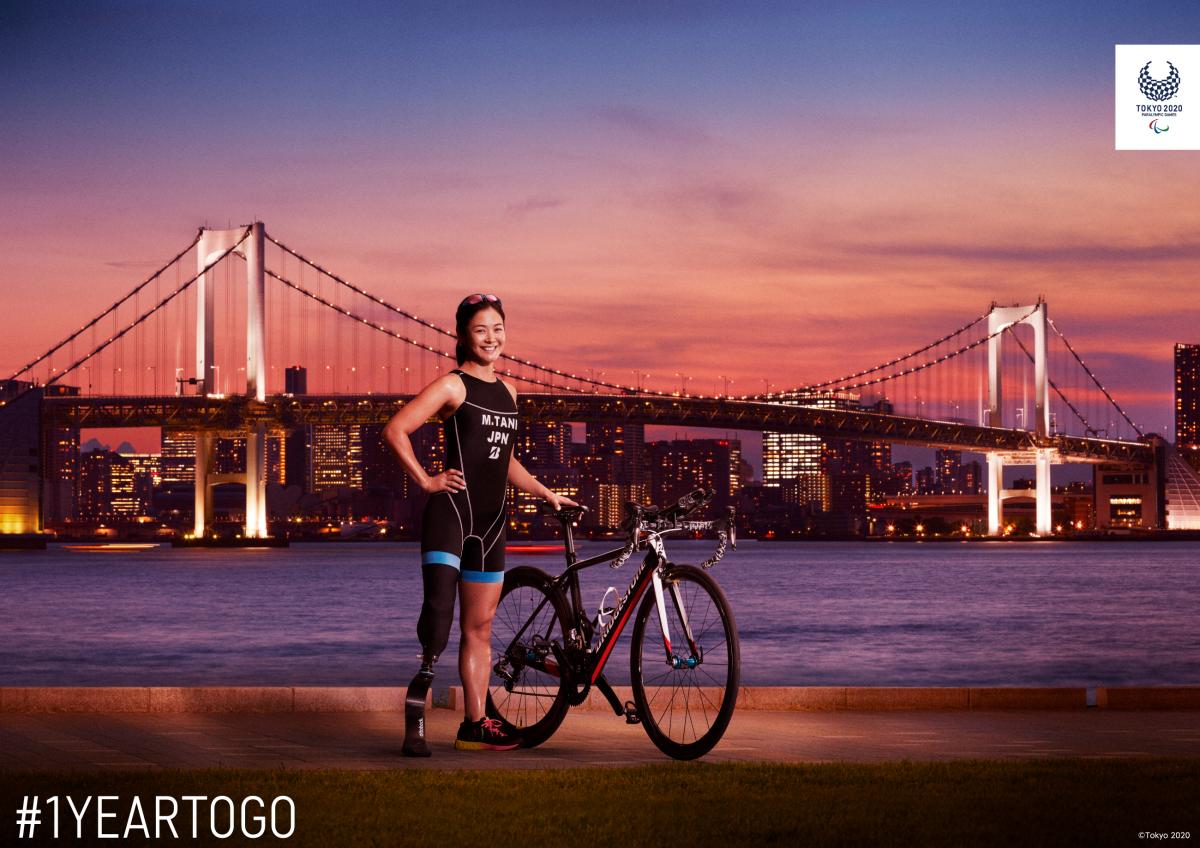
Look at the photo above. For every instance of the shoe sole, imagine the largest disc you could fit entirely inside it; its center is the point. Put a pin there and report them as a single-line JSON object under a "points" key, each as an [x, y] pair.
{"points": [[483, 746]]}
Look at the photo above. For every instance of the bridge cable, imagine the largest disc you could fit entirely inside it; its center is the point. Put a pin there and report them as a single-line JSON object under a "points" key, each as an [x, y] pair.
{"points": [[929, 364], [1087, 425], [101, 316], [1096, 380], [396, 335], [171, 296], [880, 367], [438, 329]]}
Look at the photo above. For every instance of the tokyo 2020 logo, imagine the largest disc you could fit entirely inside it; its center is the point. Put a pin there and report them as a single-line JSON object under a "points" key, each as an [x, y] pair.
{"points": [[1159, 89]]}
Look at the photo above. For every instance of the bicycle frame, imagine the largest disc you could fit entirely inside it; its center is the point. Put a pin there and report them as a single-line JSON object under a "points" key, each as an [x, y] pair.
{"points": [[649, 575]]}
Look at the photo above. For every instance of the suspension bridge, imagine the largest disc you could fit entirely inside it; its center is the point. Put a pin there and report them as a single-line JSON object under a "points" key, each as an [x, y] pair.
{"points": [[205, 345]]}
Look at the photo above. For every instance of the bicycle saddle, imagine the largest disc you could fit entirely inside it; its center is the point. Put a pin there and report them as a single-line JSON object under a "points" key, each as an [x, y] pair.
{"points": [[566, 513]]}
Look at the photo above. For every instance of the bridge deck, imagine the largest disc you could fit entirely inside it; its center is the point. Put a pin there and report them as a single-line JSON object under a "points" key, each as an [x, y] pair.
{"points": [[232, 414]]}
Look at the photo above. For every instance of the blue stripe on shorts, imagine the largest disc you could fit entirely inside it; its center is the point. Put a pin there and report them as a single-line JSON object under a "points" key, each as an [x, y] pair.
{"points": [[483, 576], [440, 558]]}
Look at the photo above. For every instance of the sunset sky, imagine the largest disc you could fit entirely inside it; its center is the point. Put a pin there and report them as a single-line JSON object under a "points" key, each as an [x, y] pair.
{"points": [[780, 191]]}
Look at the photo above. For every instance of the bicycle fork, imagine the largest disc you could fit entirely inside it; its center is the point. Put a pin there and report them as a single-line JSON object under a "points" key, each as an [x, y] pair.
{"points": [[673, 659]]}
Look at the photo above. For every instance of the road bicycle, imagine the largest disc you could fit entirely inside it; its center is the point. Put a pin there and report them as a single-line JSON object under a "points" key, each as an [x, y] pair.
{"points": [[684, 660]]}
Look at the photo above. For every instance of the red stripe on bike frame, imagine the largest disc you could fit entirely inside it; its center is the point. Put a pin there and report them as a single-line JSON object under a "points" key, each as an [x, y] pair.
{"points": [[616, 631]]}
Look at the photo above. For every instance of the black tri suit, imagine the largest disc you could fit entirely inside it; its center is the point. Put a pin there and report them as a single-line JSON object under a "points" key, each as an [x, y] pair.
{"points": [[463, 533]]}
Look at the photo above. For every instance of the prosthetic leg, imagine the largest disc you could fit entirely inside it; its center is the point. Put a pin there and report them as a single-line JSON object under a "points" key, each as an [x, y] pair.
{"points": [[433, 629], [414, 710]]}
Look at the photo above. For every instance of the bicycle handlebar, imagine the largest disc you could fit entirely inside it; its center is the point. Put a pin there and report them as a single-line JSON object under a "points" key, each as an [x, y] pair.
{"points": [[655, 521]]}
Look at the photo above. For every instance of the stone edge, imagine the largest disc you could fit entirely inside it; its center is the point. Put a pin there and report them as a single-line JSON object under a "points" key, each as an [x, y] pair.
{"points": [[323, 699]]}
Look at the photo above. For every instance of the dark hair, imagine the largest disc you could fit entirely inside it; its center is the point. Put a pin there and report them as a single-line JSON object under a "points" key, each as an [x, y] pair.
{"points": [[462, 323]]}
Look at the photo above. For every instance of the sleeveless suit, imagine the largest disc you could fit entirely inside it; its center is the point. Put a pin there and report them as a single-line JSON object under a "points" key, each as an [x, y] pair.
{"points": [[466, 530]]}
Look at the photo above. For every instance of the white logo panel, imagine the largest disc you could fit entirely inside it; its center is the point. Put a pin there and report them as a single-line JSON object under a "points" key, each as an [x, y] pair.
{"points": [[1157, 97]]}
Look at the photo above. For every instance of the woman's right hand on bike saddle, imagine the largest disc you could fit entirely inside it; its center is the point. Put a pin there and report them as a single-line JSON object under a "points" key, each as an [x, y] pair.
{"points": [[450, 480]]}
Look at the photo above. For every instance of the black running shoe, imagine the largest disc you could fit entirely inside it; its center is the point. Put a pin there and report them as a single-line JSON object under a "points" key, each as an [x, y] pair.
{"points": [[484, 735]]}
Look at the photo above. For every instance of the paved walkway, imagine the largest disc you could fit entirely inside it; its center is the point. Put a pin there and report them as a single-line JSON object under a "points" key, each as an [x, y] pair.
{"points": [[372, 740]]}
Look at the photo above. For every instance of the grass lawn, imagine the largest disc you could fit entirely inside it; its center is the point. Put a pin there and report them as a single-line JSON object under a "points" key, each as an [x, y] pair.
{"points": [[961, 803]]}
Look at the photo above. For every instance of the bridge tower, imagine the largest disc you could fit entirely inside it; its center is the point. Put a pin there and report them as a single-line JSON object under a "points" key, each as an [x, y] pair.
{"points": [[212, 244], [1000, 318]]}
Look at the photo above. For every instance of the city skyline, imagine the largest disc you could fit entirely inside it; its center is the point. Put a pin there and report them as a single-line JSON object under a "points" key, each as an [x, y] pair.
{"points": [[804, 192]]}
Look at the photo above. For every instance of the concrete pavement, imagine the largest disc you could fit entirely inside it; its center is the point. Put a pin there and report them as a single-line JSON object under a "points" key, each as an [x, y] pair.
{"points": [[371, 740]]}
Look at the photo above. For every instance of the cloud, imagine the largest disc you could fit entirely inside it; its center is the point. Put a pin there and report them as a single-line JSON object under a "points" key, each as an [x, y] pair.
{"points": [[534, 203], [1060, 253], [133, 264], [654, 126]]}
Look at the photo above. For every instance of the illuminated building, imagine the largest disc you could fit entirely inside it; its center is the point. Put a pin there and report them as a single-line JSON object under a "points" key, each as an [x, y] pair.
{"points": [[60, 481], [612, 470], [115, 486], [811, 471], [926, 481], [1187, 402], [525, 519], [335, 456], [544, 448], [679, 466], [20, 438], [611, 499], [971, 476], [544, 444], [625, 445], [793, 461], [1137, 495], [276, 458], [229, 455], [949, 472], [178, 454], [845, 466]]}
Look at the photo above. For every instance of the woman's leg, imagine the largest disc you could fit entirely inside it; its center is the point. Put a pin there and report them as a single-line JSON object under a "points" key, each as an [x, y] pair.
{"points": [[477, 607]]}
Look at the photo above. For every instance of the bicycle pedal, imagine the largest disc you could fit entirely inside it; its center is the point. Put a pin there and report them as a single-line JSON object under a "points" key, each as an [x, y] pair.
{"points": [[631, 713]]}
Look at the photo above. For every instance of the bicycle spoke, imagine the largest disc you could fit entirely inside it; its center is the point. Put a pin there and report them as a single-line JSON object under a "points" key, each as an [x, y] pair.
{"points": [[686, 709]]}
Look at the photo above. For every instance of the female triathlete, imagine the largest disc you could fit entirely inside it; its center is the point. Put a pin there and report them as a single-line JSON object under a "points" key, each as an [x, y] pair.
{"points": [[463, 527]]}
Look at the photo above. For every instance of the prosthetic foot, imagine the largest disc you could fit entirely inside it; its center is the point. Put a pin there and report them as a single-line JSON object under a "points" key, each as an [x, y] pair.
{"points": [[414, 711]]}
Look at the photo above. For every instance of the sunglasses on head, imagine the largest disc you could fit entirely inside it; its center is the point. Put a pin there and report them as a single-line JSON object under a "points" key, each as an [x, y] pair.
{"points": [[471, 300]]}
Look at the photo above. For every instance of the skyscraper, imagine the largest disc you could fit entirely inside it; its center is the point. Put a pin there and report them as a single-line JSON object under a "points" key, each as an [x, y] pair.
{"points": [[681, 465], [949, 471], [618, 469], [1187, 401], [544, 444], [335, 456], [797, 462], [178, 463], [60, 484]]}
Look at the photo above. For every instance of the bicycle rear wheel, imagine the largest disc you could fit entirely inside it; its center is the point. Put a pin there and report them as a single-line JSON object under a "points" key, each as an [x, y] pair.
{"points": [[526, 690], [685, 702]]}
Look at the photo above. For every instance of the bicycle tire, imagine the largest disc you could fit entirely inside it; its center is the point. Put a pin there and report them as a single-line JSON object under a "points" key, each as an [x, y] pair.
{"points": [[677, 703], [535, 705]]}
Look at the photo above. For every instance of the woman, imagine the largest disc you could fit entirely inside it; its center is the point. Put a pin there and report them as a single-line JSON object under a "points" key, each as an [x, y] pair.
{"points": [[463, 528]]}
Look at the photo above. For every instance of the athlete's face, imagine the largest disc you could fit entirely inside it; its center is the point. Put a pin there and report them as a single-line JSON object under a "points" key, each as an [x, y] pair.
{"points": [[486, 336]]}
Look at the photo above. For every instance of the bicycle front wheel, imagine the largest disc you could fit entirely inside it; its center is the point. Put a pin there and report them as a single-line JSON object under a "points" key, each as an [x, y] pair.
{"points": [[526, 690], [685, 689]]}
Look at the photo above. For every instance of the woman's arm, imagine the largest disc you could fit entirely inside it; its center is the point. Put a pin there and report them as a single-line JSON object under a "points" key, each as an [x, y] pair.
{"points": [[447, 391], [526, 482]]}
